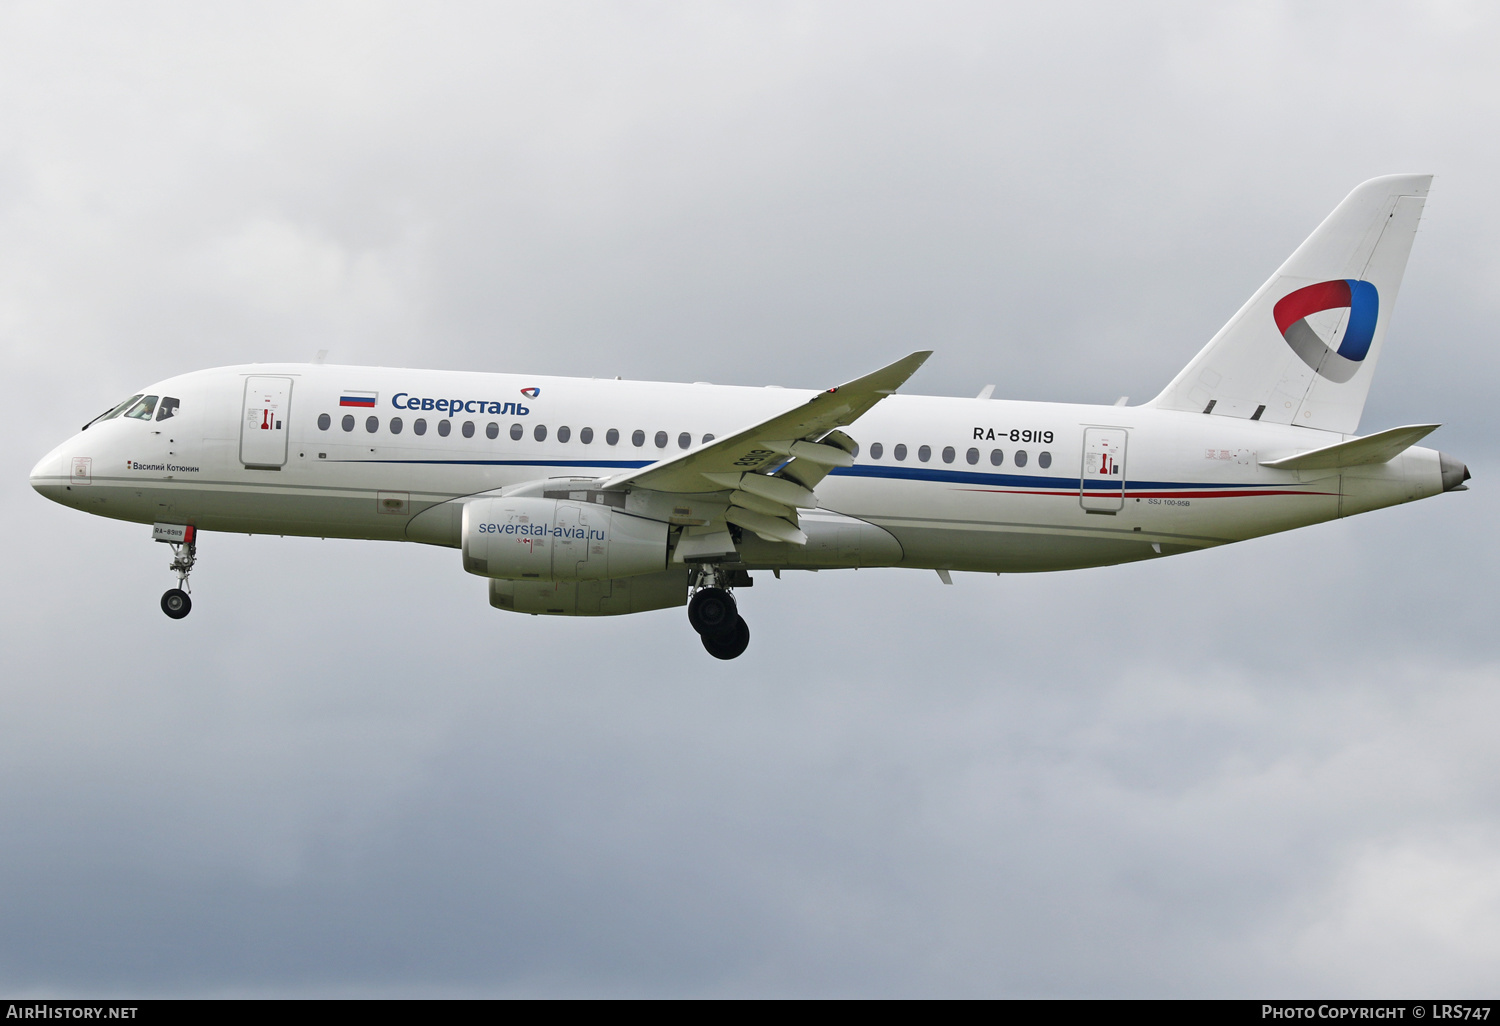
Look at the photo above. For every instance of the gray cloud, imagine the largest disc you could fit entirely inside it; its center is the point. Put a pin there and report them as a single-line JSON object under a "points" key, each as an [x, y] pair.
{"points": [[1262, 769]]}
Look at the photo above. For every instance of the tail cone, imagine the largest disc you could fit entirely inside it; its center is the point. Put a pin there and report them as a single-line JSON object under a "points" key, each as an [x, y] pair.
{"points": [[1454, 474]]}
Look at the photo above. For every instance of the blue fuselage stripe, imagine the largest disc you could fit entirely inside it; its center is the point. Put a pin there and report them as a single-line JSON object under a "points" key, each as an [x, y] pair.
{"points": [[970, 478], [974, 477], [610, 464]]}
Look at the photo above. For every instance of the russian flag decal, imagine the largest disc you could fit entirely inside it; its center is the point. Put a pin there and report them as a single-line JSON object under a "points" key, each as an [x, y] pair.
{"points": [[365, 399]]}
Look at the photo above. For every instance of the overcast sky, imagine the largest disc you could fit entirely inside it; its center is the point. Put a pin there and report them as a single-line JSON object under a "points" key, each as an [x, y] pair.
{"points": [[1267, 769]]}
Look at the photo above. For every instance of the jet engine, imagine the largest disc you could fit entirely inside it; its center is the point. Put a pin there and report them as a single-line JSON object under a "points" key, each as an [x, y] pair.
{"points": [[559, 540]]}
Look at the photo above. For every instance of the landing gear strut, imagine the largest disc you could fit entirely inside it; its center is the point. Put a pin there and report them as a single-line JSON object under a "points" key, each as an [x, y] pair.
{"points": [[177, 603], [712, 612]]}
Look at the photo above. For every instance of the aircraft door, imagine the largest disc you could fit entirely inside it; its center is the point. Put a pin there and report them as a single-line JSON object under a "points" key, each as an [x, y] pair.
{"points": [[263, 425], [1102, 482]]}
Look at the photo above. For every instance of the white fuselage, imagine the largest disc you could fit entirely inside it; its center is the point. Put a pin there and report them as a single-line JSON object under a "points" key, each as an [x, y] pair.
{"points": [[976, 484]]}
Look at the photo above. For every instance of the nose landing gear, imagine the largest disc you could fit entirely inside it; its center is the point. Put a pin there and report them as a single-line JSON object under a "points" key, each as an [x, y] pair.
{"points": [[713, 613], [176, 602]]}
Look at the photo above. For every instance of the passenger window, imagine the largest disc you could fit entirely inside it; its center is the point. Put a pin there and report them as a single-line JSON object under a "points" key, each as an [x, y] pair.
{"points": [[419, 426], [661, 439], [492, 430], [707, 439], [1044, 460], [586, 435], [468, 429], [900, 451], [444, 427], [168, 408], [611, 437], [684, 440], [1020, 457], [996, 457], [948, 454], [925, 453], [348, 422], [324, 422], [396, 425], [564, 433], [540, 434], [143, 409], [372, 424], [876, 450], [972, 456], [516, 431], [638, 438]]}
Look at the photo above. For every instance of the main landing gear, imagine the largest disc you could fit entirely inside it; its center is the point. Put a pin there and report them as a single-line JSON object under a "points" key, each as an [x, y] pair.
{"points": [[177, 603], [713, 613]]}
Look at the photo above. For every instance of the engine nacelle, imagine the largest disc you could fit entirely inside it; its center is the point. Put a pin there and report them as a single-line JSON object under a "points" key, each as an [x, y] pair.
{"points": [[531, 539], [593, 598]]}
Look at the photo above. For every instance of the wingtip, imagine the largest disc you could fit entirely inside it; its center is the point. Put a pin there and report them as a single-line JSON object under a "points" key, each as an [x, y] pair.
{"points": [[909, 365], [914, 361]]}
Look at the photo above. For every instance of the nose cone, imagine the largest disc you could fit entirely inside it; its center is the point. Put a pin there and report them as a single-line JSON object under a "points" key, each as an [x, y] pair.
{"points": [[44, 469], [1454, 473], [51, 475]]}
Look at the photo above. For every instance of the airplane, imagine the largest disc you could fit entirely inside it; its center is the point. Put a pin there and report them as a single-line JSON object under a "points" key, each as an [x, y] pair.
{"points": [[601, 497]]}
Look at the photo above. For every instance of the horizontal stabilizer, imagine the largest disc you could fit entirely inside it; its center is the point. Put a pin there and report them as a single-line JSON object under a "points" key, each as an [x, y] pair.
{"points": [[1381, 447]]}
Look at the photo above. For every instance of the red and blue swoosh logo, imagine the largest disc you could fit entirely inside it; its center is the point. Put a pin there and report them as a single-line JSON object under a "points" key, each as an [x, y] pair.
{"points": [[1363, 303]]}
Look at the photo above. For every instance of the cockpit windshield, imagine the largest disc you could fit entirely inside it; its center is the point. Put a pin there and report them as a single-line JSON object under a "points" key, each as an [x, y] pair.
{"points": [[143, 409], [113, 411], [167, 408]]}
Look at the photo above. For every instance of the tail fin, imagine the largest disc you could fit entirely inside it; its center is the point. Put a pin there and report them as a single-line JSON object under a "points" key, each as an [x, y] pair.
{"points": [[1303, 349]]}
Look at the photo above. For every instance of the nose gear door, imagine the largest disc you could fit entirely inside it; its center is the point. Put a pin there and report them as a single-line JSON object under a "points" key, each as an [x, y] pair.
{"points": [[263, 426]]}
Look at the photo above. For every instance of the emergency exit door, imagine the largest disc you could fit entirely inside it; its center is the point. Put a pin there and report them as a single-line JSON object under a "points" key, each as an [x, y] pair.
{"points": [[1102, 483], [263, 427]]}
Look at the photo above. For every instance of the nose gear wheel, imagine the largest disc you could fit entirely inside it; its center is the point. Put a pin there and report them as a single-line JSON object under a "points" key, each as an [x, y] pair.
{"points": [[176, 603]]}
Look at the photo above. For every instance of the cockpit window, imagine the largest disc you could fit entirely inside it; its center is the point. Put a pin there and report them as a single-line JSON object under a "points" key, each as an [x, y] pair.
{"points": [[113, 411], [167, 408], [143, 409]]}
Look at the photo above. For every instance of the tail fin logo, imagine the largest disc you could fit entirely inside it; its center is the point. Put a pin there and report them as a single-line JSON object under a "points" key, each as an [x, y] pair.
{"points": [[1363, 303]]}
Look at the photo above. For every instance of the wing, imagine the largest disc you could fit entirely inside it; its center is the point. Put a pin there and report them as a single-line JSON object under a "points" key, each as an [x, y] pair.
{"points": [[772, 467], [796, 432]]}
